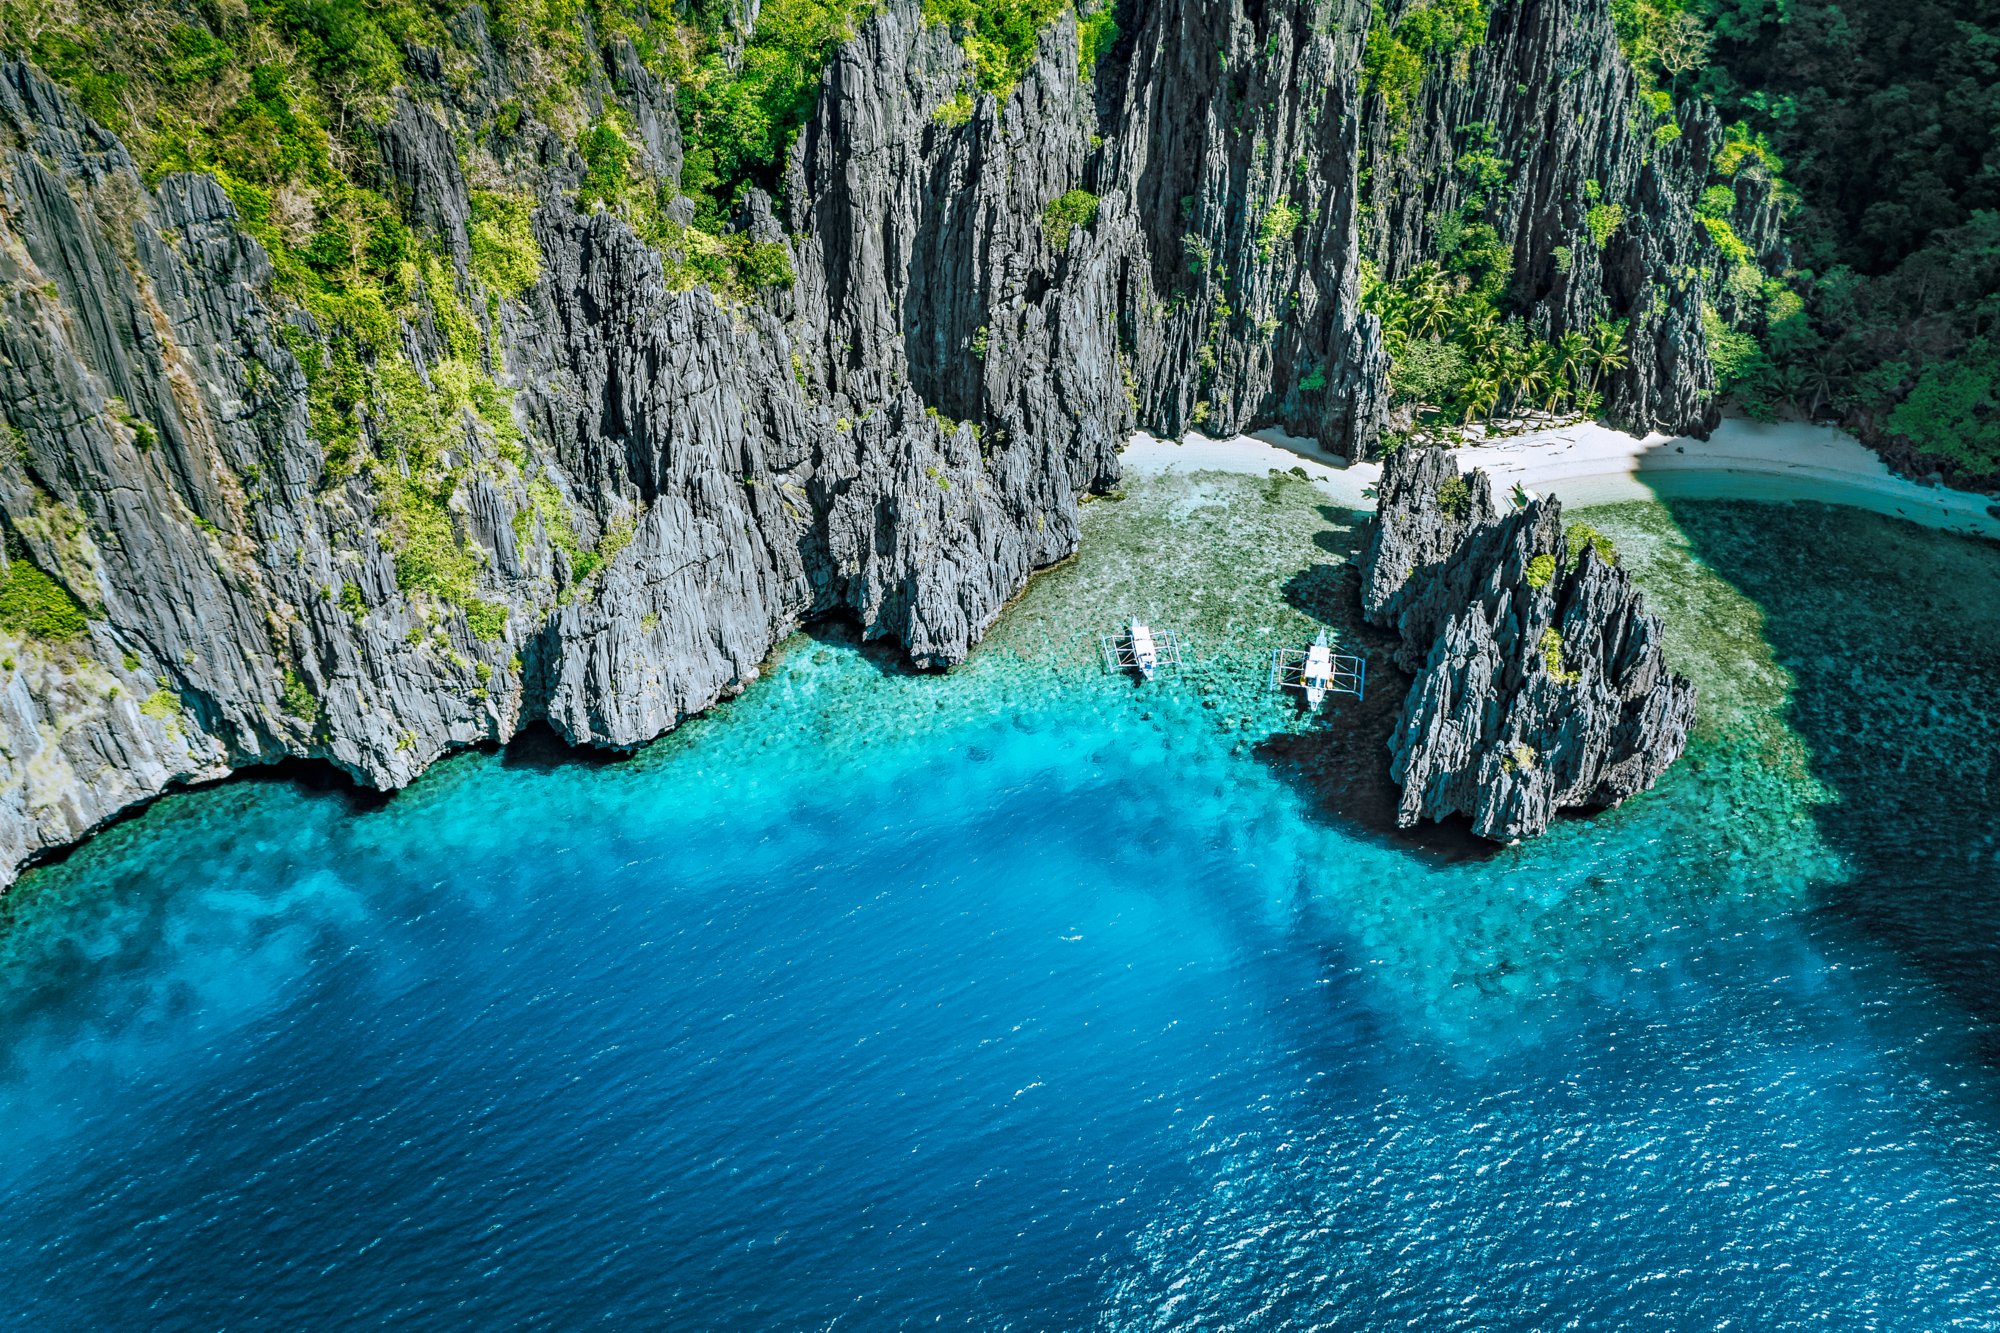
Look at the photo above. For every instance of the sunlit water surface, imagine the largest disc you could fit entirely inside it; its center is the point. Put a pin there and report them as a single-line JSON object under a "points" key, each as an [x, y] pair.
{"points": [[1024, 998]]}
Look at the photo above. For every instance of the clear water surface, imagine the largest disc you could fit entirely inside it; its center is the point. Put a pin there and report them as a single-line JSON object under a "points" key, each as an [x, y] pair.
{"points": [[1023, 998]]}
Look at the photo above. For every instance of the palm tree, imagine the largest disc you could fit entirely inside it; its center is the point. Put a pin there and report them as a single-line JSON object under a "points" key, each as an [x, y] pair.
{"points": [[1507, 365], [1531, 381], [1430, 300], [1544, 381], [1480, 334], [1825, 373], [1480, 391], [1570, 350], [1796, 384], [1392, 307], [1607, 350]]}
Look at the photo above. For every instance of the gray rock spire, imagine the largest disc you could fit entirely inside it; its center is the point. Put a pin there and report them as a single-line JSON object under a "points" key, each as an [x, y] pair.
{"points": [[1540, 683]]}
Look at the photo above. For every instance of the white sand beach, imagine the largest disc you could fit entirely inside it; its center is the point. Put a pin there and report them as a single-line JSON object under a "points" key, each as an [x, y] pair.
{"points": [[1588, 464]]}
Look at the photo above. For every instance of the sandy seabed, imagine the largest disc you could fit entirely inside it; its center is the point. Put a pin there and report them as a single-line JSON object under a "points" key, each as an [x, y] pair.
{"points": [[1586, 464]]}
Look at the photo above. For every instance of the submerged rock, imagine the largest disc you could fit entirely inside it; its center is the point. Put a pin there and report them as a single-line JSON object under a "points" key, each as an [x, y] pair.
{"points": [[1540, 683]]}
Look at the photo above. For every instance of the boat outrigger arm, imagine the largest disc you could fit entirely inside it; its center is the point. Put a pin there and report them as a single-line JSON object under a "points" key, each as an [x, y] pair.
{"points": [[1319, 671], [1143, 649]]}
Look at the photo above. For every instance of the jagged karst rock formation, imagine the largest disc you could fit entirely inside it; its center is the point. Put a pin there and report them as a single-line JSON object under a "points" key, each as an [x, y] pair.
{"points": [[664, 481], [1540, 682], [1547, 93]]}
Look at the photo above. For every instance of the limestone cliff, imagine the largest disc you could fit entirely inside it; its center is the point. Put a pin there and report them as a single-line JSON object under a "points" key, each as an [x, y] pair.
{"points": [[610, 491], [1593, 196], [1540, 682]]}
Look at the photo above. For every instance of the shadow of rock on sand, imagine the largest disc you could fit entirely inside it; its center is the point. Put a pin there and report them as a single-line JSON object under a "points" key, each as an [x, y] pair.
{"points": [[1892, 635], [1341, 765]]}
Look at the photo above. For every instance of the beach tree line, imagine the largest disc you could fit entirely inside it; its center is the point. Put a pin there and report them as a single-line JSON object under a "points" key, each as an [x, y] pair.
{"points": [[1456, 359], [1878, 124]]}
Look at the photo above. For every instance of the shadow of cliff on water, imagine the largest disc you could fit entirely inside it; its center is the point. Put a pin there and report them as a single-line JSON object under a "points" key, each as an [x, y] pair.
{"points": [[843, 629], [1891, 634], [1340, 765], [538, 749], [322, 778], [318, 776]]}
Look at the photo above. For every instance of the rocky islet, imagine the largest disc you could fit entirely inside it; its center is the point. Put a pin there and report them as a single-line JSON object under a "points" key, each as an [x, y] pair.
{"points": [[1541, 683]]}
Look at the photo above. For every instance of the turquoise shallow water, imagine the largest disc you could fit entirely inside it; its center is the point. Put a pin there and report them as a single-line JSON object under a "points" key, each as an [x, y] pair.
{"points": [[1022, 998]]}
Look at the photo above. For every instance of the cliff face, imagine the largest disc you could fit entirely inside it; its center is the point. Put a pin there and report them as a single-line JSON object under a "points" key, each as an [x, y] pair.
{"points": [[1222, 122], [1548, 98], [675, 480], [1540, 683]]}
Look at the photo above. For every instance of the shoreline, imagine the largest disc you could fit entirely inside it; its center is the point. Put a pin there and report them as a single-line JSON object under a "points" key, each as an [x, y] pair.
{"points": [[1585, 464], [1589, 464]]}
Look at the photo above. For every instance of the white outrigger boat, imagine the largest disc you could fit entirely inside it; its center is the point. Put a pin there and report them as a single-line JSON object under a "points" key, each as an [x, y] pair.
{"points": [[1318, 671], [1142, 649]]}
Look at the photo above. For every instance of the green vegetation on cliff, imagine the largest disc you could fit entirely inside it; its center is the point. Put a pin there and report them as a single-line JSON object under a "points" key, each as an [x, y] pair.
{"points": [[1455, 357], [279, 101], [1869, 129], [1459, 351], [1064, 214], [278, 98], [1879, 121], [32, 604], [1395, 56], [744, 98], [999, 36], [742, 101], [283, 102]]}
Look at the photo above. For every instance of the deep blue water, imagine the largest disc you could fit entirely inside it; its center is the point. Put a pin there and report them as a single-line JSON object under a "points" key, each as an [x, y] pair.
{"points": [[1025, 1009]]}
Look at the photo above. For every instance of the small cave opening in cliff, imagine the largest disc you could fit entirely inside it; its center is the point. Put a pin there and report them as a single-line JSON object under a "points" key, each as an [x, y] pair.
{"points": [[321, 777], [843, 629], [537, 748]]}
